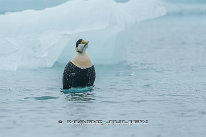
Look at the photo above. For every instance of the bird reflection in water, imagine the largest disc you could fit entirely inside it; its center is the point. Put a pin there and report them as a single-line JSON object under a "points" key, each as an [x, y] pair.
{"points": [[80, 94]]}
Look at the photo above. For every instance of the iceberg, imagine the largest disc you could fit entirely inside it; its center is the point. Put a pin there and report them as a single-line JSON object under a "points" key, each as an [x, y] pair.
{"points": [[33, 39]]}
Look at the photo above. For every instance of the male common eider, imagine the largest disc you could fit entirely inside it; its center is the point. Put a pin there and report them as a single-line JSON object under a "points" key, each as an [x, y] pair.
{"points": [[80, 71]]}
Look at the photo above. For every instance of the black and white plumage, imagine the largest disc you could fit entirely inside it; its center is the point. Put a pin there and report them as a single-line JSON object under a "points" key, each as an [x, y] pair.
{"points": [[80, 71], [74, 76]]}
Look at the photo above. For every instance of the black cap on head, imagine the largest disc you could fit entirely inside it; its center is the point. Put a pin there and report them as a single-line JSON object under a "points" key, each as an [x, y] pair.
{"points": [[78, 42]]}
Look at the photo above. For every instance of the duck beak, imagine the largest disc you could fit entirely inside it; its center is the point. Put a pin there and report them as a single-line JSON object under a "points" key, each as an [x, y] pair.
{"points": [[85, 43]]}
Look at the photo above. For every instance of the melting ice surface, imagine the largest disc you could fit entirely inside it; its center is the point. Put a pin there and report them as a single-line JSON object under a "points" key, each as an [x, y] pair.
{"points": [[35, 39]]}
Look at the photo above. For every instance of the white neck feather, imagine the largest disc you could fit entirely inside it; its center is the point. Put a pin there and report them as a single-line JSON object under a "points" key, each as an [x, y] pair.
{"points": [[82, 60]]}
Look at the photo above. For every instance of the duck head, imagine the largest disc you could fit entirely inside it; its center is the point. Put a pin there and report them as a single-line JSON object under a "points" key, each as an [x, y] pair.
{"points": [[81, 46]]}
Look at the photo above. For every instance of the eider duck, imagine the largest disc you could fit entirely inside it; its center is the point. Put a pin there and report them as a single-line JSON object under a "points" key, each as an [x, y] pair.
{"points": [[79, 72]]}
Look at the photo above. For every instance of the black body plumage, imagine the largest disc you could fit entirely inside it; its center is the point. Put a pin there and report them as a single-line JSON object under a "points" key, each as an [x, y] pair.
{"points": [[74, 76]]}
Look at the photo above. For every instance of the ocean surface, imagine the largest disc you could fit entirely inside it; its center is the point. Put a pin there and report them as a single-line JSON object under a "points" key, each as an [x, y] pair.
{"points": [[162, 79]]}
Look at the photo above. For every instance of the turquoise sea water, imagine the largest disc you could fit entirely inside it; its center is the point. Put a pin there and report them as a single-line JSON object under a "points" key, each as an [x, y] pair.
{"points": [[162, 80]]}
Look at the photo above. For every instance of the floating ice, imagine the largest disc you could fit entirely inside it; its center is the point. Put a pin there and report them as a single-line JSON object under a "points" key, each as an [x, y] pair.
{"points": [[34, 39]]}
